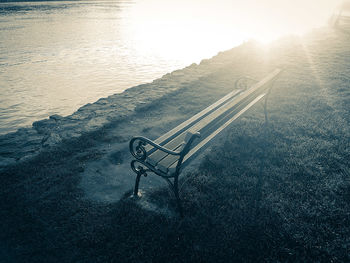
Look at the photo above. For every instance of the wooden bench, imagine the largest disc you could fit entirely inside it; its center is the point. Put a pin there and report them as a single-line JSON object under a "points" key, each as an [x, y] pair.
{"points": [[170, 153]]}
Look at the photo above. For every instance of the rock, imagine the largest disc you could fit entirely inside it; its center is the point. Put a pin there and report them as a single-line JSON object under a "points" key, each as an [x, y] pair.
{"points": [[95, 123], [51, 140], [102, 101], [70, 134], [44, 126], [56, 117]]}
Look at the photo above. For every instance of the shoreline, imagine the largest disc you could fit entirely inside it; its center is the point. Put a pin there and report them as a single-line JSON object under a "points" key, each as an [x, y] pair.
{"points": [[28, 142]]}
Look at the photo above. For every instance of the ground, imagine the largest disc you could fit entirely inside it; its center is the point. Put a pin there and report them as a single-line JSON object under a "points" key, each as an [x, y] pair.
{"points": [[275, 192]]}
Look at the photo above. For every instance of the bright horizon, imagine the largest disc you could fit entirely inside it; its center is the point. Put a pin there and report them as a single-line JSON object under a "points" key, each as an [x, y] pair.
{"points": [[209, 26]]}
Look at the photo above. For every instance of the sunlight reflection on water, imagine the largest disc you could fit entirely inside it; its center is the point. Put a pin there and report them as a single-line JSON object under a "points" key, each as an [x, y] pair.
{"points": [[58, 56]]}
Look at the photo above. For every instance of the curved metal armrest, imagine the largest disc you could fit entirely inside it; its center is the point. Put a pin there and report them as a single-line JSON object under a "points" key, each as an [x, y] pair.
{"points": [[139, 151], [190, 137], [246, 78]]}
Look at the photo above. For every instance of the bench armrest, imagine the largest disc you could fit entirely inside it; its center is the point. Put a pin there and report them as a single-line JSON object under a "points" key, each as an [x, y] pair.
{"points": [[239, 84], [137, 147], [190, 136]]}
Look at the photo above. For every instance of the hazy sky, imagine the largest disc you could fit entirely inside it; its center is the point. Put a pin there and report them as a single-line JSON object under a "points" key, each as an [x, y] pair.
{"points": [[306, 10], [183, 27], [275, 16]]}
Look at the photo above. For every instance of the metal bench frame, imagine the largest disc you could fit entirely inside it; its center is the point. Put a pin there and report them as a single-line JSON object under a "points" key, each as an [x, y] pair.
{"points": [[141, 148]]}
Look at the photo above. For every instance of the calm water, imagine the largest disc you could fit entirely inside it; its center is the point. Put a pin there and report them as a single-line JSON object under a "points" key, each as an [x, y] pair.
{"points": [[58, 56]]}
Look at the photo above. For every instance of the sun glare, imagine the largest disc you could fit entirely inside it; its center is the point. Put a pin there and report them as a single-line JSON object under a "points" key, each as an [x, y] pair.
{"points": [[193, 30], [183, 40]]}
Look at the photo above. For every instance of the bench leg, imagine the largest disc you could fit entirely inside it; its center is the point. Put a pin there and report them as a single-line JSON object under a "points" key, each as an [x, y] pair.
{"points": [[137, 182], [177, 196], [139, 170]]}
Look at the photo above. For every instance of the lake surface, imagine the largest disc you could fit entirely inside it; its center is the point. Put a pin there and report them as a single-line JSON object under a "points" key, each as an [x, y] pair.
{"points": [[58, 56]]}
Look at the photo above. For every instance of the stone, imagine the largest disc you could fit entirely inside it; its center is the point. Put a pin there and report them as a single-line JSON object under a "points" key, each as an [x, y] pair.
{"points": [[56, 117], [44, 126], [51, 140]]}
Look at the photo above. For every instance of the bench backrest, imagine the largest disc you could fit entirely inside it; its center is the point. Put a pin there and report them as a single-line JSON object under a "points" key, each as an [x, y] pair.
{"points": [[209, 123]]}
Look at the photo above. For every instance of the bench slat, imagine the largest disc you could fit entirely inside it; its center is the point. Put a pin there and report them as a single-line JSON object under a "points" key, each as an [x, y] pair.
{"points": [[185, 125], [192, 153], [170, 160], [159, 155], [173, 145], [162, 160]]}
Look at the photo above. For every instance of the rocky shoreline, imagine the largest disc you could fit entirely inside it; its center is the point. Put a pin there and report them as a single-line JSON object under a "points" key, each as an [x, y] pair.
{"points": [[27, 143]]}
